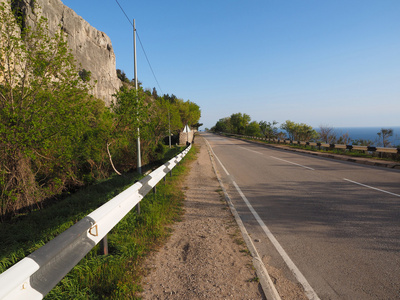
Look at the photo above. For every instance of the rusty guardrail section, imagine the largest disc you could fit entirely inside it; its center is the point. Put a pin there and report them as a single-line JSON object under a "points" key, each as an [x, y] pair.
{"points": [[35, 275]]}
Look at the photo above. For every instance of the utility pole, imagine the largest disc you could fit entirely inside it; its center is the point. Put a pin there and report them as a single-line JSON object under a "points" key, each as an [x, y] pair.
{"points": [[169, 128], [139, 160]]}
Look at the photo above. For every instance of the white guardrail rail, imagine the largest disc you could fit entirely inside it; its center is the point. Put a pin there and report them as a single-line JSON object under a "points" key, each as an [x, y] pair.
{"points": [[35, 275]]}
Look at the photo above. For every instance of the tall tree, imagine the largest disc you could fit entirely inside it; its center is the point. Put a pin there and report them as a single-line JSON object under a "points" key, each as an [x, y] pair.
{"points": [[384, 136], [299, 131], [327, 134], [269, 129], [129, 113], [239, 122], [253, 129], [223, 125]]}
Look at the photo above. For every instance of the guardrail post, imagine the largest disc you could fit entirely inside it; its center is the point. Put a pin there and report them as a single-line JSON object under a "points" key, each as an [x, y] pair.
{"points": [[104, 245], [154, 191]]}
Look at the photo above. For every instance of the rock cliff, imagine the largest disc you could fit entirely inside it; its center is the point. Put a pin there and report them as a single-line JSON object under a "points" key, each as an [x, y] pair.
{"points": [[92, 48]]}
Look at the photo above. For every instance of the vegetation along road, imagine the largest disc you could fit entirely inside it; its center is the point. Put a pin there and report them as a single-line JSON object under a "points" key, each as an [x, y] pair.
{"points": [[331, 226]]}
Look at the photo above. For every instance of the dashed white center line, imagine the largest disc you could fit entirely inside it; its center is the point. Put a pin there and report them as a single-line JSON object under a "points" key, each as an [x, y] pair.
{"points": [[371, 187], [251, 150], [293, 163], [279, 159]]}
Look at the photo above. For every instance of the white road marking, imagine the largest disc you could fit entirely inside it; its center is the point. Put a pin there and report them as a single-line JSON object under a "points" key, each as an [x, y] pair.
{"points": [[371, 187], [265, 280], [311, 294], [226, 171], [292, 163], [251, 150], [280, 159]]}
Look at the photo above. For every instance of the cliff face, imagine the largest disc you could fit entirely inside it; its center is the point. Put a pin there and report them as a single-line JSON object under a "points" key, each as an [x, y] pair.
{"points": [[92, 48]]}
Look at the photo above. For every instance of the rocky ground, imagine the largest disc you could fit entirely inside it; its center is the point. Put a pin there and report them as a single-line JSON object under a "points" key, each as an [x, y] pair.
{"points": [[205, 257]]}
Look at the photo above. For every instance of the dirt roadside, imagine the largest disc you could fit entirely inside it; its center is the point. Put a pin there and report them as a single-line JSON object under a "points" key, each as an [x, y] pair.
{"points": [[205, 257]]}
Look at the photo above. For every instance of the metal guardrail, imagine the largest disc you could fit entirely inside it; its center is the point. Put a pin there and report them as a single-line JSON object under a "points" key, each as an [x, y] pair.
{"points": [[35, 275], [324, 145]]}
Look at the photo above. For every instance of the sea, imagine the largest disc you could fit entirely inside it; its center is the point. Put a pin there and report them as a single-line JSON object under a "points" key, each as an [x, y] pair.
{"points": [[369, 133]]}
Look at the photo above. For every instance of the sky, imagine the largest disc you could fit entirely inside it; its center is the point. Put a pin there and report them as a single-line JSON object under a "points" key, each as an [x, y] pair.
{"points": [[324, 63]]}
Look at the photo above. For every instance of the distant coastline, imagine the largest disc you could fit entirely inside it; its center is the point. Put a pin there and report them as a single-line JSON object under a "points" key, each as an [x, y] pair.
{"points": [[368, 133]]}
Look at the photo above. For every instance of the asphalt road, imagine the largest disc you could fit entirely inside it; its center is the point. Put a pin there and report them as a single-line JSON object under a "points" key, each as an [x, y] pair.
{"points": [[337, 223]]}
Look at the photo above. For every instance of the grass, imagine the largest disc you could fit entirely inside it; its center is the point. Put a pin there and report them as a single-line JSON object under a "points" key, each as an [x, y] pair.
{"points": [[245, 251], [117, 275], [254, 279]]}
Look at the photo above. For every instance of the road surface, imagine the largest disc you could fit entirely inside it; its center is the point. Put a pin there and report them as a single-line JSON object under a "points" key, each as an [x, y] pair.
{"points": [[331, 226]]}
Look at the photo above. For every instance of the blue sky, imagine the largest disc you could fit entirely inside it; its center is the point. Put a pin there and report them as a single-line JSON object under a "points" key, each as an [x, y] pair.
{"points": [[317, 62]]}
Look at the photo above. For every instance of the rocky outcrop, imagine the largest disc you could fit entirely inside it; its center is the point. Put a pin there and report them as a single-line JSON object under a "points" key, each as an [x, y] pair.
{"points": [[92, 48]]}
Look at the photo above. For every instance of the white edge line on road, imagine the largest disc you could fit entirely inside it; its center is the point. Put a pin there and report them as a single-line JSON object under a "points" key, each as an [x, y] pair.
{"points": [[371, 187], [265, 280], [311, 294], [293, 163]]}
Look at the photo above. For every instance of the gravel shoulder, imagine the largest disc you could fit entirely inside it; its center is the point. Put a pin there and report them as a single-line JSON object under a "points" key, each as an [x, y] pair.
{"points": [[205, 257]]}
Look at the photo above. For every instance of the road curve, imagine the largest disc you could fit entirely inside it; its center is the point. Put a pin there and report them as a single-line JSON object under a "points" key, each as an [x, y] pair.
{"points": [[337, 222]]}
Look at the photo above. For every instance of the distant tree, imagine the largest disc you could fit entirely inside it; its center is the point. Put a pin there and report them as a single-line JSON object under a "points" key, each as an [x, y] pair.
{"points": [[171, 98], [384, 136], [148, 92], [154, 93], [253, 129], [194, 113], [223, 125], [361, 142], [343, 140], [189, 111], [281, 135], [306, 132], [268, 129], [263, 127], [327, 134], [299, 131], [122, 76], [290, 128], [239, 122]]}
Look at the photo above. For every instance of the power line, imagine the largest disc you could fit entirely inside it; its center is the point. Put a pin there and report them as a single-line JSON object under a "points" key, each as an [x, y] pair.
{"points": [[148, 62], [129, 20]]}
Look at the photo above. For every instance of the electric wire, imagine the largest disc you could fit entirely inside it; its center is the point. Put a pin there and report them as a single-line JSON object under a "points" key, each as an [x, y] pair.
{"points": [[129, 20], [141, 45], [149, 63]]}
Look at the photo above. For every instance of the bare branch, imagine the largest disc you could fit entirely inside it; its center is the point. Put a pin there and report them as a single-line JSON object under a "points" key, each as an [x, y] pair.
{"points": [[112, 164]]}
